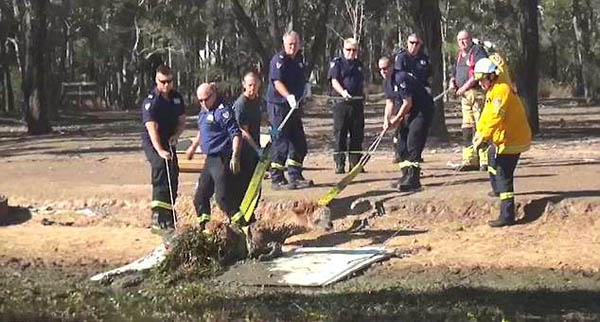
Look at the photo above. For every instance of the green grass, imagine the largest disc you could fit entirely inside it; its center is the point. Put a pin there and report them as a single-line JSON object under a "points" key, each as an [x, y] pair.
{"points": [[38, 294]]}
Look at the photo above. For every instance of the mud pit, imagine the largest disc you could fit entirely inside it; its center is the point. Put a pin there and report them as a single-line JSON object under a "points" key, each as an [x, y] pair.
{"points": [[79, 200]]}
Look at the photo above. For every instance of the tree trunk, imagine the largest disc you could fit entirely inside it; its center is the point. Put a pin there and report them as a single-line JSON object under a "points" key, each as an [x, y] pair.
{"points": [[273, 22], [3, 67], [9, 92], [250, 28], [582, 44], [294, 13], [317, 48], [427, 17], [34, 28], [528, 23]]}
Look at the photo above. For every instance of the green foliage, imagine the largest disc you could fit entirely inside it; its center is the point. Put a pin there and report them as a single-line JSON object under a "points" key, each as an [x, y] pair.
{"points": [[119, 43]]}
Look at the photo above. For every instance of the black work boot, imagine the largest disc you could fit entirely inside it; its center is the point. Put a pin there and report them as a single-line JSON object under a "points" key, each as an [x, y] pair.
{"points": [[413, 181], [282, 184], [354, 159], [340, 162], [300, 182], [507, 214], [163, 224], [500, 222], [402, 180], [162, 219]]}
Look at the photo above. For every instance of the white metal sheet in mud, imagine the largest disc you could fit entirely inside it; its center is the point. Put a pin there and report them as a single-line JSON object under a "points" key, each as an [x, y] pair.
{"points": [[155, 257], [320, 266]]}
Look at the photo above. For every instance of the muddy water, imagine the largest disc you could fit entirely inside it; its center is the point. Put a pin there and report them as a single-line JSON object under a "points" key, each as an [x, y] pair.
{"points": [[30, 293]]}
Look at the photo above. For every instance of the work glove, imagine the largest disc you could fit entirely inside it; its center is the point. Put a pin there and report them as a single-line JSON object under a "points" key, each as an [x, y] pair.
{"points": [[274, 132], [307, 91], [291, 99], [260, 152], [346, 95], [234, 164]]}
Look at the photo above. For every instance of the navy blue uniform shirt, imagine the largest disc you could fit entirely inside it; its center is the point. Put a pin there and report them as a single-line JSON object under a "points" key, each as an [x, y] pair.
{"points": [[348, 73], [388, 88], [164, 112], [217, 129], [406, 85], [418, 65], [288, 70]]}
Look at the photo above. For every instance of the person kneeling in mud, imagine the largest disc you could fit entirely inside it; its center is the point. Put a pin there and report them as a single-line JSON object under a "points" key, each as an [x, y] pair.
{"points": [[504, 124], [220, 136], [414, 118]]}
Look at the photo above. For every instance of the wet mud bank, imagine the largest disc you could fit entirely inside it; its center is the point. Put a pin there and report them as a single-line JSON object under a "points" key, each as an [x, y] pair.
{"points": [[33, 293]]}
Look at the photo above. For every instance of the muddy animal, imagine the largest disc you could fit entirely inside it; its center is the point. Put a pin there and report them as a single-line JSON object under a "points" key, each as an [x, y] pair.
{"points": [[275, 222]]}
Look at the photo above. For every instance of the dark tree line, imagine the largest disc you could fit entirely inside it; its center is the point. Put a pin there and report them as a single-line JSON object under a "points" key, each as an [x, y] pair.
{"points": [[118, 43]]}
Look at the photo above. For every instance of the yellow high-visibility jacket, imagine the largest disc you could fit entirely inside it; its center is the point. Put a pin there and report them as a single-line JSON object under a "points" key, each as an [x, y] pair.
{"points": [[503, 72], [503, 120]]}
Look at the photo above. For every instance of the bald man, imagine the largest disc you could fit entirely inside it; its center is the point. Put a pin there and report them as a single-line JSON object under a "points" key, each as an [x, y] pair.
{"points": [[463, 81], [247, 114], [220, 136]]}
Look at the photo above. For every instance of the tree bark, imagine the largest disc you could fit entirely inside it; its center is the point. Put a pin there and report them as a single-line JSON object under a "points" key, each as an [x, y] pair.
{"points": [[250, 28], [34, 27], [273, 21], [9, 92], [317, 48], [427, 17], [582, 44], [528, 25]]}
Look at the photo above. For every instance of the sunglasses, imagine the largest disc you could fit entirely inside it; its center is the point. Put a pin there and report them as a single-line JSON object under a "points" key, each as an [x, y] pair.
{"points": [[202, 100], [165, 81], [350, 49]]}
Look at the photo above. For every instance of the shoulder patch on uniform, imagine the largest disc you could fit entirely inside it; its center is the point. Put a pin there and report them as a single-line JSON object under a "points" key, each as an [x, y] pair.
{"points": [[332, 64], [226, 115], [403, 84], [150, 96], [278, 65], [221, 106], [147, 105], [423, 62], [497, 102]]}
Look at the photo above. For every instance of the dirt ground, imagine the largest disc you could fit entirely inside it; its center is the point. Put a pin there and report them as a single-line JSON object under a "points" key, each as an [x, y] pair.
{"points": [[79, 197]]}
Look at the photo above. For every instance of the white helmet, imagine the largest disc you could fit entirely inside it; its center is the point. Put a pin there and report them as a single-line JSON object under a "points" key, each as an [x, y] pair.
{"points": [[484, 66]]}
